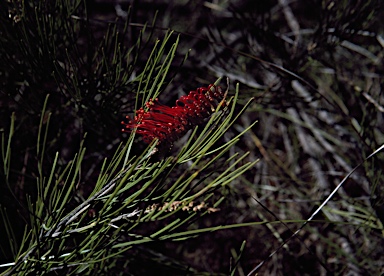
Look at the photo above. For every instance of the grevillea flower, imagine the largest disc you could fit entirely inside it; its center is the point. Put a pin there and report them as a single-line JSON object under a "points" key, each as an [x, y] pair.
{"points": [[170, 123]]}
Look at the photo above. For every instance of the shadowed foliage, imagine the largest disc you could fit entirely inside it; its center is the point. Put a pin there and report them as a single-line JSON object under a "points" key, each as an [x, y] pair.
{"points": [[80, 196]]}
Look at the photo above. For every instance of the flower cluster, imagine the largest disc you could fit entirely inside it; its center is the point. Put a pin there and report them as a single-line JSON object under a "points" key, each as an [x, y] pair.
{"points": [[170, 123], [182, 205]]}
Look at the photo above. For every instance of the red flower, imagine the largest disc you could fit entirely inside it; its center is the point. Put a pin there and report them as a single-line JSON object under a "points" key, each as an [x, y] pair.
{"points": [[170, 123]]}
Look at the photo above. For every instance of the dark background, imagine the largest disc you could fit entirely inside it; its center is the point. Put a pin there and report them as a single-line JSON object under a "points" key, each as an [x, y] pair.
{"points": [[315, 71]]}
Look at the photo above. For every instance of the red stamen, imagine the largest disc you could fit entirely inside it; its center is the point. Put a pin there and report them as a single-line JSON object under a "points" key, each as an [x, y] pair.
{"points": [[170, 123]]}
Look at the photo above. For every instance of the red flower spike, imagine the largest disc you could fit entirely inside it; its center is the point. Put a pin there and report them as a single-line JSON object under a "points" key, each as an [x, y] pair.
{"points": [[170, 123]]}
